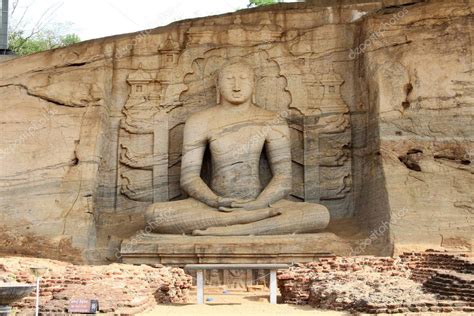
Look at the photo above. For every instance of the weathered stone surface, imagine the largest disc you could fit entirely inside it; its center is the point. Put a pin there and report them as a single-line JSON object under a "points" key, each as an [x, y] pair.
{"points": [[418, 86], [379, 104]]}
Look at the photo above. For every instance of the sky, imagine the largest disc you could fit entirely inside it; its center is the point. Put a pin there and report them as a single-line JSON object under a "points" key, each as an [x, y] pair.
{"points": [[98, 18]]}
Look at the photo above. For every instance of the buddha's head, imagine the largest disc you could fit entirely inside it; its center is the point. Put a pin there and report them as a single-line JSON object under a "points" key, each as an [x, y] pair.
{"points": [[236, 82]]}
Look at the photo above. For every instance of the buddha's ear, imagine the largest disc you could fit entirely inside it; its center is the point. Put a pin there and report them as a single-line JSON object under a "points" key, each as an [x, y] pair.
{"points": [[218, 93], [254, 92], [218, 96]]}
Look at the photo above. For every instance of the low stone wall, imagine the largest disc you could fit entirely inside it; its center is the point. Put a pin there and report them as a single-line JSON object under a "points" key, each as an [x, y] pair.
{"points": [[424, 265], [451, 285], [450, 276], [119, 288], [414, 282]]}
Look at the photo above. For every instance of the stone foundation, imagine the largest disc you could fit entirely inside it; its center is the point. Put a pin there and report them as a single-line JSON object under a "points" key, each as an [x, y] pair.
{"points": [[180, 250]]}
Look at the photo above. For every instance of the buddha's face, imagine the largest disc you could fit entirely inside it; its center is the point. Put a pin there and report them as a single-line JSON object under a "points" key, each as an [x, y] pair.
{"points": [[236, 84]]}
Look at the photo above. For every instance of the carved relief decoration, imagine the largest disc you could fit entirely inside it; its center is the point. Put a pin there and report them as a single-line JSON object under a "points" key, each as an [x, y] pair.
{"points": [[238, 33], [144, 130]]}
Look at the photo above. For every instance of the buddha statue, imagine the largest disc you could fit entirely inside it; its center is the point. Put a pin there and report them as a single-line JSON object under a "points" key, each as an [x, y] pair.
{"points": [[236, 131]]}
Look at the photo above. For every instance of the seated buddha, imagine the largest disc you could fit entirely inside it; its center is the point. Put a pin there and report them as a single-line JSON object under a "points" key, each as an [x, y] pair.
{"points": [[235, 203]]}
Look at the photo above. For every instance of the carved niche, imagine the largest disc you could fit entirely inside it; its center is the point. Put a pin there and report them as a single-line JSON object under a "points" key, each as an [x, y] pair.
{"points": [[150, 134]]}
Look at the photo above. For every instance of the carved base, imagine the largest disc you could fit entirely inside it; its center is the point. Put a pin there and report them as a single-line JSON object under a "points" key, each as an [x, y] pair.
{"points": [[180, 250]]}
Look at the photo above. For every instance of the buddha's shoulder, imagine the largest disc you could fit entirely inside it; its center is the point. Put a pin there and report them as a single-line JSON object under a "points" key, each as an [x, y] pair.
{"points": [[202, 116], [268, 115]]}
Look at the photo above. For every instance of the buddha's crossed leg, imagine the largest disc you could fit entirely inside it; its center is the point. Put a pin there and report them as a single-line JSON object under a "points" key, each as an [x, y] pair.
{"points": [[186, 216], [294, 217]]}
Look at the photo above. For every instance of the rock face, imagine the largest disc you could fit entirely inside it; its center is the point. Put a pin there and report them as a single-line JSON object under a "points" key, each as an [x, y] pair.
{"points": [[378, 100], [417, 76]]}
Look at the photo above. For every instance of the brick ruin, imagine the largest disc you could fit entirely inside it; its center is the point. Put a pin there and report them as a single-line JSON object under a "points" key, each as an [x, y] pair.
{"points": [[119, 288], [414, 282]]}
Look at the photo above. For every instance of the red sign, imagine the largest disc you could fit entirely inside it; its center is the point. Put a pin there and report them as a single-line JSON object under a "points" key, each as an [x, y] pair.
{"points": [[83, 306]]}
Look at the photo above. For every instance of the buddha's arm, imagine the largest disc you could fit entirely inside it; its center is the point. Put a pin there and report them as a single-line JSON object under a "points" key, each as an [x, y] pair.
{"points": [[278, 149], [194, 145]]}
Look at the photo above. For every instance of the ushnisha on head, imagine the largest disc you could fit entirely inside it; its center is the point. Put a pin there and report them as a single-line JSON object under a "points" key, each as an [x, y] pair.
{"points": [[235, 83]]}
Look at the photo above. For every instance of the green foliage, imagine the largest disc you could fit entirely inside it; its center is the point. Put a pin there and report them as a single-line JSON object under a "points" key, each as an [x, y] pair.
{"points": [[70, 39], [22, 45], [258, 3]]}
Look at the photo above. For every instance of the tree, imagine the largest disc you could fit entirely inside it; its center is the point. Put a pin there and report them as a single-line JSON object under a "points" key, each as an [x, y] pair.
{"points": [[23, 44], [24, 39], [258, 3]]}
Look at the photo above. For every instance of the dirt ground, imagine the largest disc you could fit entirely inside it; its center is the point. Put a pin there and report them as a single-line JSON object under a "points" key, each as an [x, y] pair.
{"points": [[250, 304], [237, 303]]}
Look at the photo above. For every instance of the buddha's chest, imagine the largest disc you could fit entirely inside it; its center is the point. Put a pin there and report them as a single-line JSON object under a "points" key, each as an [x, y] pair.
{"points": [[237, 142]]}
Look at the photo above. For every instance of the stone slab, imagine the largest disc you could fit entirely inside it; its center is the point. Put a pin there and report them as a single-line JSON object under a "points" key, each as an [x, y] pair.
{"points": [[145, 248], [210, 266]]}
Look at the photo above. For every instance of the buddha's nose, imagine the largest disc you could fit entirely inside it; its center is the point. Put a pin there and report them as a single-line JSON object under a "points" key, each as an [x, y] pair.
{"points": [[236, 87]]}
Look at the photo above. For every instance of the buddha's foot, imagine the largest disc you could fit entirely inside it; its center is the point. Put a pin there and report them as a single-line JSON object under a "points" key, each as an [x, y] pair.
{"points": [[221, 230], [200, 232]]}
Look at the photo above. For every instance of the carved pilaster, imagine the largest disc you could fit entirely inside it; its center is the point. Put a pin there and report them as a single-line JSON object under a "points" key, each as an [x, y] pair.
{"points": [[311, 159], [160, 151], [326, 141], [334, 140]]}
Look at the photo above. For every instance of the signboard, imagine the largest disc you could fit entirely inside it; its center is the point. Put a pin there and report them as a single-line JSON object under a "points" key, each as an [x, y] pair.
{"points": [[83, 306]]}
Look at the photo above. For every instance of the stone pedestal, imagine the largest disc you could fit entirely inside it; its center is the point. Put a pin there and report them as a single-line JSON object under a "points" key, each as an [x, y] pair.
{"points": [[146, 248]]}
